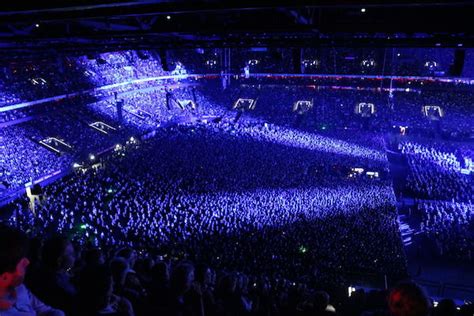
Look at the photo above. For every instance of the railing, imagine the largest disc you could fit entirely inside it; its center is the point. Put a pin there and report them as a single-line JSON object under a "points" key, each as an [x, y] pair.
{"points": [[449, 290], [106, 87], [253, 75], [322, 76]]}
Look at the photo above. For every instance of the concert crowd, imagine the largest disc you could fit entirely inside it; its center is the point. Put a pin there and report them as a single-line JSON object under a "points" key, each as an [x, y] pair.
{"points": [[268, 213]]}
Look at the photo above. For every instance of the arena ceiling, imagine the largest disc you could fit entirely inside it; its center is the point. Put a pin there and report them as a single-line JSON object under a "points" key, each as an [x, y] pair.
{"points": [[78, 25]]}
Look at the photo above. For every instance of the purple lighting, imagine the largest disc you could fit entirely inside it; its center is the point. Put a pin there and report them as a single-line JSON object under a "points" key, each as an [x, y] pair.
{"points": [[311, 141]]}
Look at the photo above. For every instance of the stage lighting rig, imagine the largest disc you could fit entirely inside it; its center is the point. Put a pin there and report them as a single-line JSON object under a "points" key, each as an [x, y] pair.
{"points": [[38, 81], [187, 104], [245, 104], [102, 127], [302, 106], [253, 62], [433, 112], [211, 63], [311, 63], [368, 63], [55, 145], [365, 109], [431, 65]]}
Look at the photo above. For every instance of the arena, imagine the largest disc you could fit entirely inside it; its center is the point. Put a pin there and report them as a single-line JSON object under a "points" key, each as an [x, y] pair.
{"points": [[319, 164]]}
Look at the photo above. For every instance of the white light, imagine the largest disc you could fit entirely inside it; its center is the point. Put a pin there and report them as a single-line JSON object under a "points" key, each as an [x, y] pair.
{"points": [[368, 63], [132, 139], [91, 157], [76, 165], [37, 25], [398, 54], [168, 17], [460, 45], [253, 62], [362, 10]]}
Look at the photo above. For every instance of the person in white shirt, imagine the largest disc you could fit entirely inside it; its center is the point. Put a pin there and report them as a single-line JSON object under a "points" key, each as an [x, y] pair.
{"points": [[15, 298]]}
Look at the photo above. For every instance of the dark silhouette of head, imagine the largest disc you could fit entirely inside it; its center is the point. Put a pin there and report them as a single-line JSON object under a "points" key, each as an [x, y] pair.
{"points": [[128, 254], [58, 254], [96, 287], [321, 301], [445, 307], [94, 257], [160, 273], [408, 299], [182, 278]]}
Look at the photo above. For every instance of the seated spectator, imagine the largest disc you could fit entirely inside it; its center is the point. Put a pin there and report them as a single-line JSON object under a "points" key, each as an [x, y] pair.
{"points": [[52, 282], [132, 280], [159, 283], [229, 299], [445, 307], [321, 304], [120, 269], [94, 257], [15, 298], [182, 298], [127, 284], [205, 283], [144, 267], [96, 294]]}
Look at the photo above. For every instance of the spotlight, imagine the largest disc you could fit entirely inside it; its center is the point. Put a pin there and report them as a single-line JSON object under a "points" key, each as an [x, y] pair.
{"points": [[362, 10], [303, 249], [351, 290], [37, 25], [310, 63], [431, 65], [168, 17], [211, 62]]}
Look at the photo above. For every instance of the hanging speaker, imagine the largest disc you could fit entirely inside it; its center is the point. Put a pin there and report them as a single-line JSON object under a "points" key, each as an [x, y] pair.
{"points": [[164, 60], [458, 64], [296, 57], [36, 190]]}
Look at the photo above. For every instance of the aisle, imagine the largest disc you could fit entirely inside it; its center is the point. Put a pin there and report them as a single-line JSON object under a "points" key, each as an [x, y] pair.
{"points": [[440, 277]]}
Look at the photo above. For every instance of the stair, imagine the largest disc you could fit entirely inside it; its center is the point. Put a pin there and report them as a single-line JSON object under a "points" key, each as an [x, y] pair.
{"points": [[405, 230]]}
